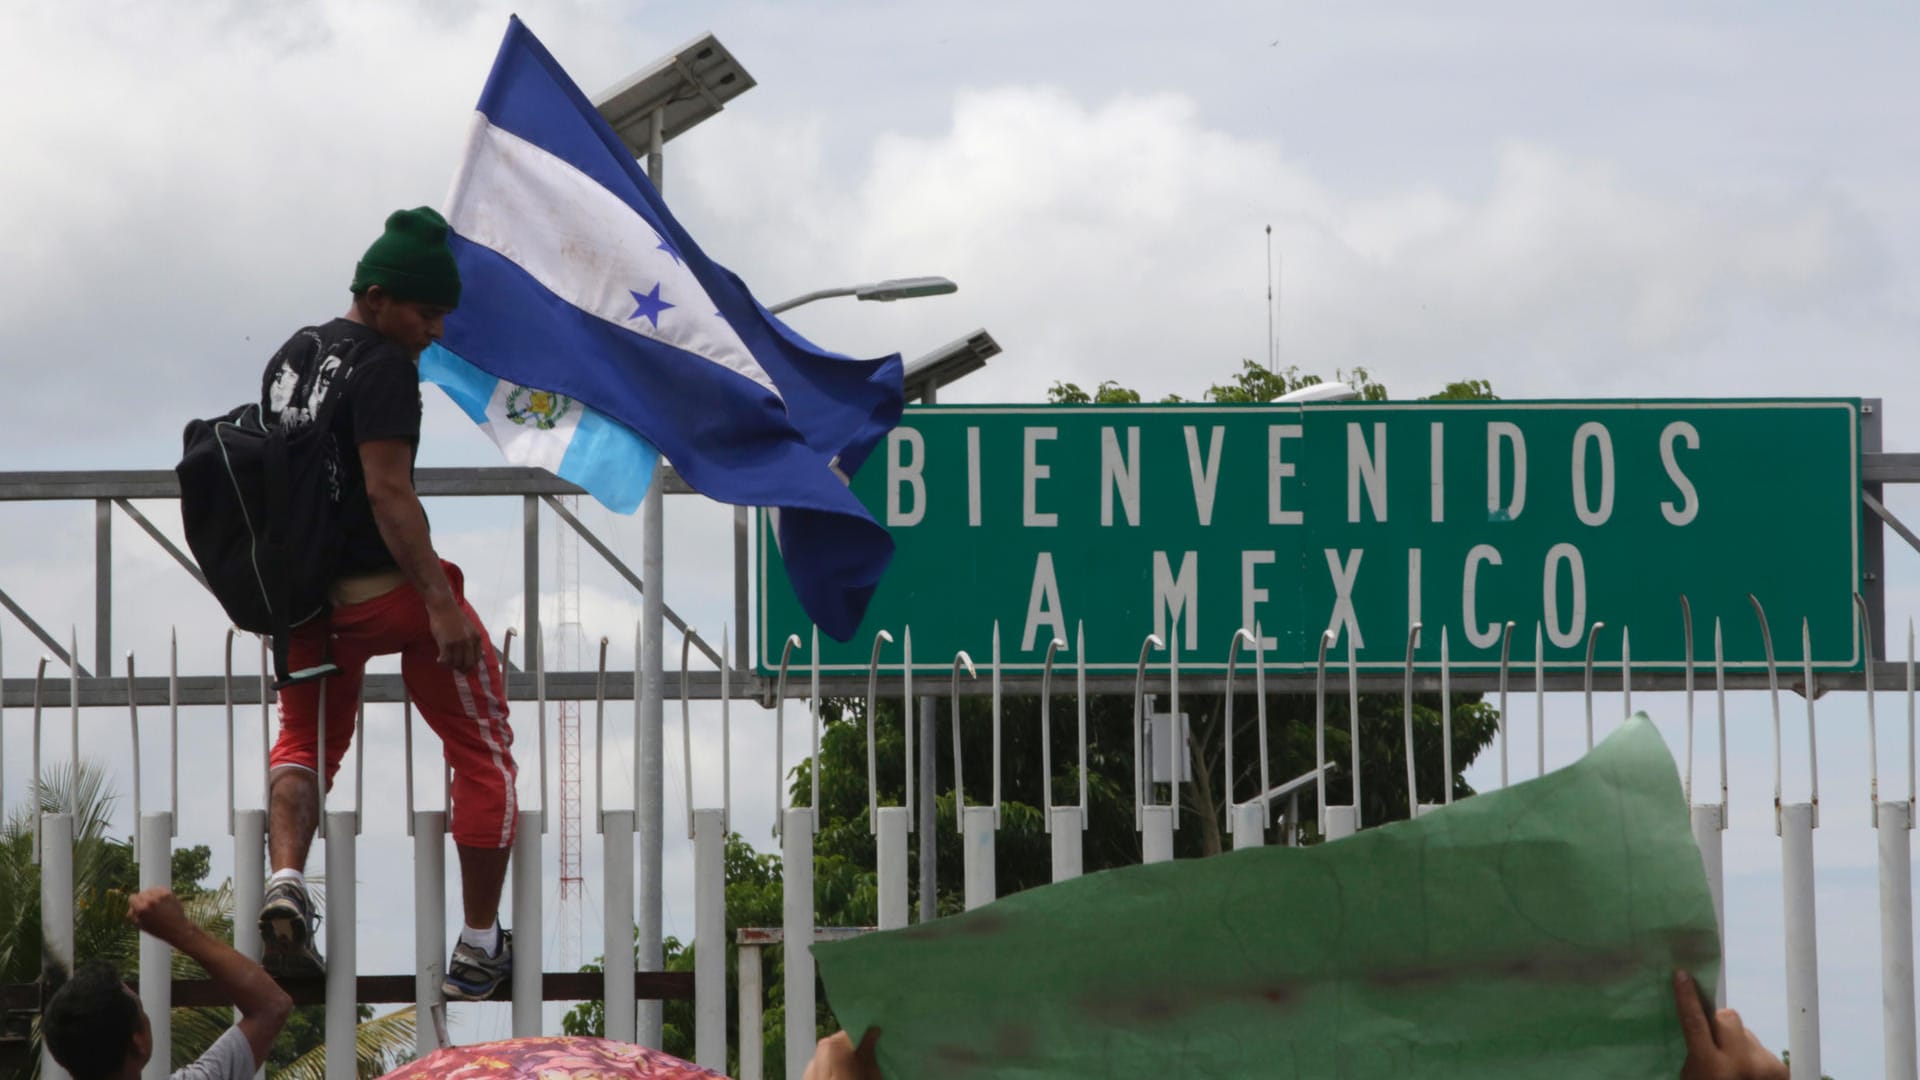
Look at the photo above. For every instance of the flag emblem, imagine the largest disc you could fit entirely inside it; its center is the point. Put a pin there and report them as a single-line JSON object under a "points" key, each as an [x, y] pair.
{"points": [[540, 408]]}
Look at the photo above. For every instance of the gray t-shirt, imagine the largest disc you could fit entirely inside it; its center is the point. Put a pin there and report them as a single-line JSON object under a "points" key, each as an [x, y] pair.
{"points": [[229, 1058]]}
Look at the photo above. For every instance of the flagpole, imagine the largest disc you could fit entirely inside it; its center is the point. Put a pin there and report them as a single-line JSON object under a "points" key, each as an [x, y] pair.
{"points": [[648, 793]]}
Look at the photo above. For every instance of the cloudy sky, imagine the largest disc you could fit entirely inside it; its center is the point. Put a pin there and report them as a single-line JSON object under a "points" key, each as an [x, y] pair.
{"points": [[1634, 201]]}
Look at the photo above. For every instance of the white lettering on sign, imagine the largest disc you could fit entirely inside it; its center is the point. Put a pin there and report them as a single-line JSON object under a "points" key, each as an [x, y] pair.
{"points": [[1689, 506], [1033, 472], [1413, 586], [1439, 471], [1477, 636], [901, 473], [1344, 571], [1565, 636], [1119, 472], [1178, 593], [1204, 471], [1369, 467], [1500, 431], [1251, 595], [1278, 470], [973, 477], [1043, 604], [1596, 433]]}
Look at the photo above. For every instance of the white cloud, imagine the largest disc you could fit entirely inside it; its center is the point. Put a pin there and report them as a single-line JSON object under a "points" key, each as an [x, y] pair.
{"points": [[1121, 239]]}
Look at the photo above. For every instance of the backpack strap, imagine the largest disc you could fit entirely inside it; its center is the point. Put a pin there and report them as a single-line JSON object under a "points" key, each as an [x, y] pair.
{"points": [[279, 483], [280, 583]]}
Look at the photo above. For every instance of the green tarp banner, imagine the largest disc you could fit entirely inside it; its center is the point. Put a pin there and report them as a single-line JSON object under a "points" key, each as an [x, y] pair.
{"points": [[1522, 933]]}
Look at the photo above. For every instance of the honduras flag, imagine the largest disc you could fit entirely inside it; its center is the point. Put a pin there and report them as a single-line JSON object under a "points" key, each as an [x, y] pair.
{"points": [[577, 280]]}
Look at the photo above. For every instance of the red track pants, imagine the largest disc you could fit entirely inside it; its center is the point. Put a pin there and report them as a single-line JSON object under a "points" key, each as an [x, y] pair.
{"points": [[468, 711]]}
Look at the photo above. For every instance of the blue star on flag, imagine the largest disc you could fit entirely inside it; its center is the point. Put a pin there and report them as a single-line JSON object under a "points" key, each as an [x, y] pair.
{"points": [[666, 245], [648, 304]]}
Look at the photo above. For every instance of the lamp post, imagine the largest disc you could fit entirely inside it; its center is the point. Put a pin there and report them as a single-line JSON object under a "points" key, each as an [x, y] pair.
{"points": [[923, 378], [646, 110]]}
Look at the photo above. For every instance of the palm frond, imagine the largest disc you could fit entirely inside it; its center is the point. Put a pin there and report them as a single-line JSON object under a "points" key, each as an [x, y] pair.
{"points": [[100, 863], [378, 1046], [212, 910]]}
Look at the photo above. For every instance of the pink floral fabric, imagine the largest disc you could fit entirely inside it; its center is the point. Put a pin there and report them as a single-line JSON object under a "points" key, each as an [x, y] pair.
{"points": [[560, 1057]]}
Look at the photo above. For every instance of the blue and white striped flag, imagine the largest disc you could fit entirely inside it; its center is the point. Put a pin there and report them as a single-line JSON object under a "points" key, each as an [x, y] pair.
{"points": [[576, 280]]}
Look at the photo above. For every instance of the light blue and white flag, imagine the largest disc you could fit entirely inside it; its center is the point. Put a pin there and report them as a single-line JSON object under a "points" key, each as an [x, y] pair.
{"points": [[548, 431], [575, 279]]}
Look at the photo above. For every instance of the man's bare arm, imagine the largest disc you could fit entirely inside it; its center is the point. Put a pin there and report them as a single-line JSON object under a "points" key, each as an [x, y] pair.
{"points": [[263, 1005], [388, 465]]}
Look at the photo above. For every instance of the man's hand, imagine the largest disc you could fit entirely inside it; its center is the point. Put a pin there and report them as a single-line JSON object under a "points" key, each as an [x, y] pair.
{"points": [[836, 1059], [263, 1006], [1723, 1049], [457, 636], [158, 912]]}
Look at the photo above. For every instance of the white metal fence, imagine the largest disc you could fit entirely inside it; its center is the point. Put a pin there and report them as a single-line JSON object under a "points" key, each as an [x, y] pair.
{"points": [[1246, 821]]}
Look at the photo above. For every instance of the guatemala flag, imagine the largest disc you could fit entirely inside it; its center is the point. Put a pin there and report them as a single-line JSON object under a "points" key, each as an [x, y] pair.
{"points": [[548, 431], [577, 280]]}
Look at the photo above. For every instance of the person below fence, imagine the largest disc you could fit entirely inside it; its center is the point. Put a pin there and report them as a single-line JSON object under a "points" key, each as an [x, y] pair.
{"points": [[392, 594], [97, 1029], [1718, 1047]]}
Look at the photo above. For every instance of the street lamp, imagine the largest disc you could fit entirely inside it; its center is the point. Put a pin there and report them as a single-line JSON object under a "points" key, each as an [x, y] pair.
{"points": [[685, 88], [1326, 391], [891, 289], [925, 375]]}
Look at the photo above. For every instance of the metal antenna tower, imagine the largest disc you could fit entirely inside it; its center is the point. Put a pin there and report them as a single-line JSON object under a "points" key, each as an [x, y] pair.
{"points": [[570, 640]]}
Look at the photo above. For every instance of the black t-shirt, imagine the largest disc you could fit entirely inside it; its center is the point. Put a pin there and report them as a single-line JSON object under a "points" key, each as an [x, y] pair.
{"points": [[380, 399]]}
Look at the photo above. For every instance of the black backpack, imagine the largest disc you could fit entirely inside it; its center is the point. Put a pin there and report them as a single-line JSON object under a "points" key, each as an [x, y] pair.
{"points": [[261, 506]]}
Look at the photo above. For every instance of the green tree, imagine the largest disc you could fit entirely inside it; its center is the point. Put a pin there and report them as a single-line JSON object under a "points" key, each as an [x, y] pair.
{"points": [[103, 875], [381, 1044], [1108, 393]]}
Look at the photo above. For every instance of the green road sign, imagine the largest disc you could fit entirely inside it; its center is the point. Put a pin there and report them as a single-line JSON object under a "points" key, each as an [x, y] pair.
{"points": [[1195, 521]]}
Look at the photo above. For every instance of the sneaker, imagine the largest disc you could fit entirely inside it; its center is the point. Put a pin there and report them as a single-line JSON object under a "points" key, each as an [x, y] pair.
{"points": [[473, 975], [287, 924]]}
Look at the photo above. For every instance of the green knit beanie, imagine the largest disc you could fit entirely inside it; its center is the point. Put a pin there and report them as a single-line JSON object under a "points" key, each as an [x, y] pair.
{"points": [[411, 260]]}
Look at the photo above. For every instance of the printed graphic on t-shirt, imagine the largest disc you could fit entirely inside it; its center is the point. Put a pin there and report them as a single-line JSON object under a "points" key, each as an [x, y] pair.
{"points": [[286, 383]]}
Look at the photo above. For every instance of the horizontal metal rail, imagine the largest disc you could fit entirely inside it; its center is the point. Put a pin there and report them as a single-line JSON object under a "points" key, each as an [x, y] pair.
{"points": [[397, 989], [706, 685], [63, 484], [774, 935], [380, 689], [1888, 468]]}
